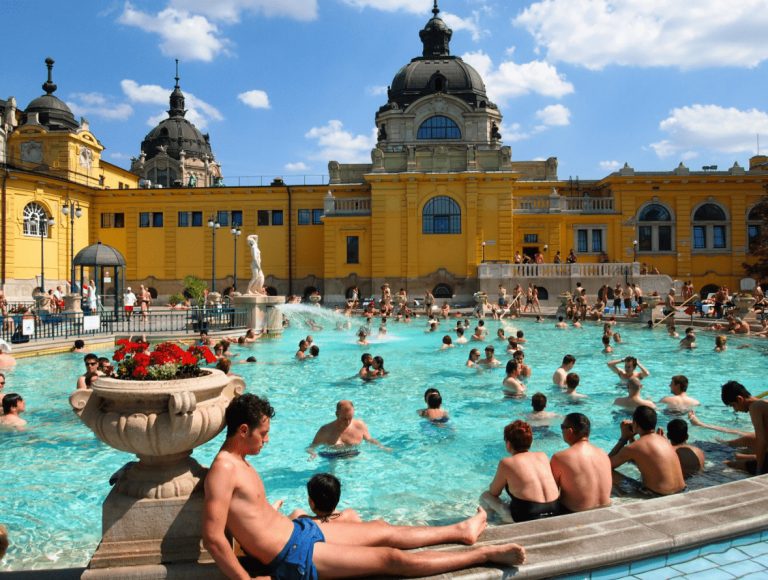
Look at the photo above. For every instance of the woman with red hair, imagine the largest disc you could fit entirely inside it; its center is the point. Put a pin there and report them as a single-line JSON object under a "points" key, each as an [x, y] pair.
{"points": [[526, 476]]}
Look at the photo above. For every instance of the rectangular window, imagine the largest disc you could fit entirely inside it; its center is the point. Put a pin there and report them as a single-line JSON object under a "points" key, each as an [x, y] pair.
{"points": [[645, 238], [237, 218], [581, 241], [353, 250], [317, 217], [157, 219], [665, 238], [145, 219], [262, 217], [184, 219], [277, 217], [597, 241], [223, 218], [699, 237], [530, 238], [197, 219], [718, 237], [304, 217]]}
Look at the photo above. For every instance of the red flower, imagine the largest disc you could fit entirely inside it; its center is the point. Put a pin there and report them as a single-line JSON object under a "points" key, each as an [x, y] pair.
{"points": [[139, 372], [119, 355], [141, 359], [188, 359]]}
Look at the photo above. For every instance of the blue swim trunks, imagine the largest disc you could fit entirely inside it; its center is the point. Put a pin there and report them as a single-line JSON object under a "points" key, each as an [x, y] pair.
{"points": [[294, 562]]}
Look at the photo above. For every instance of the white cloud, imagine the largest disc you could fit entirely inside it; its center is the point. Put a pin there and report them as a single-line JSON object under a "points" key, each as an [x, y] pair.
{"points": [[339, 145], [255, 99], [554, 116], [714, 128], [376, 91], [199, 112], [98, 105], [119, 156], [678, 33], [297, 167], [183, 35], [513, 133], [412, 6], [609, 166], [229, 11], [514, 80], [471, 24]]}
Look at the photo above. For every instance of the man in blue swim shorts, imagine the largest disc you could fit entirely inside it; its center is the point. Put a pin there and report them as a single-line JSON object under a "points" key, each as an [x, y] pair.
{"points": [[235, 500]]}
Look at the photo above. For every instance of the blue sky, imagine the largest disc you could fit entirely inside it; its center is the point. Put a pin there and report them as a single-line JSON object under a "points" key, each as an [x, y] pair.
{"points": [[284, 86]]}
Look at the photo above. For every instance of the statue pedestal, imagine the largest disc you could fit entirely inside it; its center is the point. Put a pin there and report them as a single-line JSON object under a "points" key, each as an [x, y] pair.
{"points": [[263, 312], [72, 303]]}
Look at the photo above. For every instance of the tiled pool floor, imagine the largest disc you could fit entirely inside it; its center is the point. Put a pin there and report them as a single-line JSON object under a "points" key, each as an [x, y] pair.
{"points": [[745, 557]]}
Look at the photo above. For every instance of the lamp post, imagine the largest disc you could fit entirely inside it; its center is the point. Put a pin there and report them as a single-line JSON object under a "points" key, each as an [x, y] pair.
{"points": [[214, 225], [235, 234], [634, 250], [483, 252], [43, 224], [72, 209]]}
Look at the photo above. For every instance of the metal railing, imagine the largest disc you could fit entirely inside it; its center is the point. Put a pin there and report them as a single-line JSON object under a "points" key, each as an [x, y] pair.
{"points": [[514, 271], [64, 325]]}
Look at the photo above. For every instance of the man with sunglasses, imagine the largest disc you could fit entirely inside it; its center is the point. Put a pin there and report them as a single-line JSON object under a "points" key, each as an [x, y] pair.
{"points": [[91, 367], [583, 471]]}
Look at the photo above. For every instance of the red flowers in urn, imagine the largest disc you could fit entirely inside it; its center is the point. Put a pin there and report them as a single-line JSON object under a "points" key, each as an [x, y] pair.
{"points": [[167, 361]]}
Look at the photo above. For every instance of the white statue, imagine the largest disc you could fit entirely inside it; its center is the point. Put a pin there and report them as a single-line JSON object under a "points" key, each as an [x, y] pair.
{"points": [[256, 285]]}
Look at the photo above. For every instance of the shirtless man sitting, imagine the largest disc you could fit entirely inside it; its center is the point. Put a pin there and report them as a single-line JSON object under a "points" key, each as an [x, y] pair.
{"points": [[235, 499], [679, 400], [652, 453], [91, 366], [583, 471], [736, 396], [633, 400], [691, 457], [344, 435], [631, 364]]}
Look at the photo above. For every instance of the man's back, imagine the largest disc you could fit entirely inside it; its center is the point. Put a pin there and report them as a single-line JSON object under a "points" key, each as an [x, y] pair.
{"points": [[658, 463], [583, 473]]}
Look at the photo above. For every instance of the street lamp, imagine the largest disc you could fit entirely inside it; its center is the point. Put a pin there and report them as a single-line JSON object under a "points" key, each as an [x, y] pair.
{"points": [[634, 250], [72, 209], [214, 225], [43, 224], [235, 234], [483, 252]]}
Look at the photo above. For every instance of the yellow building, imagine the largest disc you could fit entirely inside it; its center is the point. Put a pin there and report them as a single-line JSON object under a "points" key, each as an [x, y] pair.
{"points": [[442, 205]]}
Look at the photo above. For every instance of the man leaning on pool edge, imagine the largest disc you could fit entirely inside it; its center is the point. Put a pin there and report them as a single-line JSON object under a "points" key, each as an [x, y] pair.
{"points": [[235, 500]]}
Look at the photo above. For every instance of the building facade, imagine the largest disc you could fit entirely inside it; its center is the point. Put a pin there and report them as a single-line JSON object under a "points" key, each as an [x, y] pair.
{"points": [[441, 197]]}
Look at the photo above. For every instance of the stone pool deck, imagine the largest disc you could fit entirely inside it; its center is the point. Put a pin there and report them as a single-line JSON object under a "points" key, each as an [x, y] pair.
{"points": [[629, 532]]}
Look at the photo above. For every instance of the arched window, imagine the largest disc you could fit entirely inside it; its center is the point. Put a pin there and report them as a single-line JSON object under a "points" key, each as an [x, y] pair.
{"points": [[755, 220], [710, 228], [654, 229], [441, 215], [35, 220], [439, 127], [442, 291]]}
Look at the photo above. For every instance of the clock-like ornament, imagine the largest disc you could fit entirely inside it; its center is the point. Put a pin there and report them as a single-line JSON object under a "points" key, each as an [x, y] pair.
{"points": [[32, 152]]}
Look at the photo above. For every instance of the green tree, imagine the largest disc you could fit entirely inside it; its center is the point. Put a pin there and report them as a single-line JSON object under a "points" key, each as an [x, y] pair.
{"points": [[194, 288]]}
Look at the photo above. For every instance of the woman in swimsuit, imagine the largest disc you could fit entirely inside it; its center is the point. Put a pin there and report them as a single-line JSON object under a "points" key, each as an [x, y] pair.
{"points": [[526, 476]]}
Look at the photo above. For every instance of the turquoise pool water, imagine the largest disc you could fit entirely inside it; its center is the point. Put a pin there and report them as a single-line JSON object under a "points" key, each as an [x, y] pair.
{"points": [[53, 477]]}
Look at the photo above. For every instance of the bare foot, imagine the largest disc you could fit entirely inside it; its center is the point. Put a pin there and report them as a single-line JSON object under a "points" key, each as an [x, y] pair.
{"points": [[472, 527], [509, 554]]}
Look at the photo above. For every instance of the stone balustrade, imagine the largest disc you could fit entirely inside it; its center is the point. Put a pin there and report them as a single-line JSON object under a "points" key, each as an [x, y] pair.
{"points": [[487, 271]]}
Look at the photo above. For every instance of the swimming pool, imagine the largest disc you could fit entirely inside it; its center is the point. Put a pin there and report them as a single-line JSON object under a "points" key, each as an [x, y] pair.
{"points": [[53, 476]]}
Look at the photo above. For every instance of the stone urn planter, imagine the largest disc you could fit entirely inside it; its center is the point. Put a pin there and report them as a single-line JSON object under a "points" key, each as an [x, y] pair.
{"points": [[562, 307], [744, 304], [151, 520], [646, 314]]}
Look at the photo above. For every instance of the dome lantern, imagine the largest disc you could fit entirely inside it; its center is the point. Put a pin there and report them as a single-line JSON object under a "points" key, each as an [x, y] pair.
{"points": [[436, 36]]}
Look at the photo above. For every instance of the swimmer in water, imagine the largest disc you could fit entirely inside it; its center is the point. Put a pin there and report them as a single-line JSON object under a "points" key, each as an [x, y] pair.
{"points": [[367, 359], [473, 358], [630, 371], [525, 370], [511, 384], [447, 343], [434, 411], [343, 436], [540, 416], [323, 494]]}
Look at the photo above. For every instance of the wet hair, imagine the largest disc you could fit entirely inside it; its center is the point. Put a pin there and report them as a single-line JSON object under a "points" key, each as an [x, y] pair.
{"points": [[490, 347], [568, 359], [634, 385], [460, 330], [606, 340], [720, 340], [571, 380], [90, 357], [677, 431], [473, 351], [520, 334], [434, 400], [324, 490], [728, 392], [247, 409], [11, 401], [364, 356], [681, 381], [519, 435], [481, 323], [518, 354], [430, 391], [224, 365], [645, 417], [79, 343], [251, 359], [314, 350], [559, 318], [447, 340], [579, 423], [511, 366], [379, 361], [512, 343], [689, 330], [631, 359], [241, 340], [303, 343], [539, 402]]}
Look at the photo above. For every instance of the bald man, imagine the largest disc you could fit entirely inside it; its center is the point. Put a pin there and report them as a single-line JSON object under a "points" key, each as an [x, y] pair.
{"points": [[342, 437]]}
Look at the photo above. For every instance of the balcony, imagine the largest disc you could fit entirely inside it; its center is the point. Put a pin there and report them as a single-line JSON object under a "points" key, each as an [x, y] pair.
{"points": [[486, 271], [346, 206], [555, 203]]}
